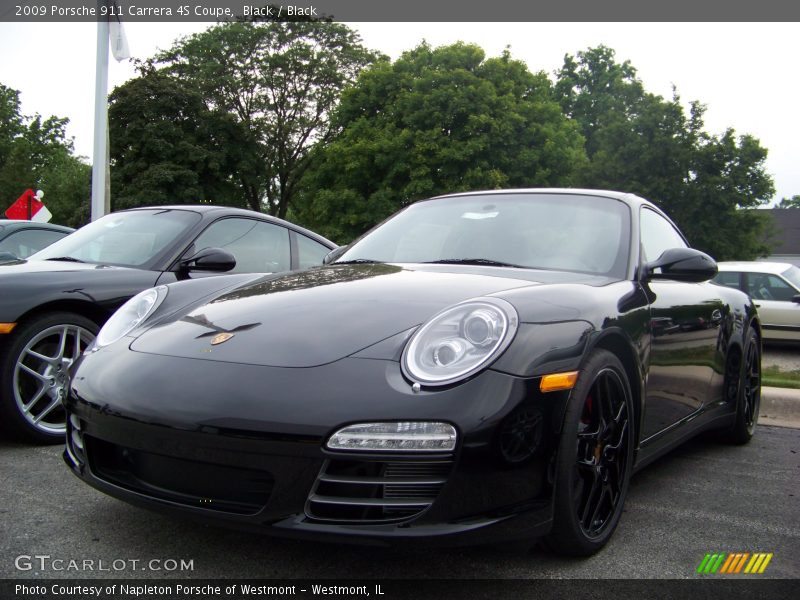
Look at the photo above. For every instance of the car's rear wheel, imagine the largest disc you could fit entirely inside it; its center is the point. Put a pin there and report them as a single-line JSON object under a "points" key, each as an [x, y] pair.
{"points": [[35, 374], [748, 391], [595, 458]]}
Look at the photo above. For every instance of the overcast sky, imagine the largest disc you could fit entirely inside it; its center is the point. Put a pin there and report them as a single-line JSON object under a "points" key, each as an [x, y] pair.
{"points": [[746, 73]]}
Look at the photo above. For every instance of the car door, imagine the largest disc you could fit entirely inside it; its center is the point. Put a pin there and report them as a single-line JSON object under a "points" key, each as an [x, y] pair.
{"points": [[774, 297], [684, 328]]}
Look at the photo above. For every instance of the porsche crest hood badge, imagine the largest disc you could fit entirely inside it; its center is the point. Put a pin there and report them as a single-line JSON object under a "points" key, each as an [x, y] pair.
{"points": [[221, 338]]}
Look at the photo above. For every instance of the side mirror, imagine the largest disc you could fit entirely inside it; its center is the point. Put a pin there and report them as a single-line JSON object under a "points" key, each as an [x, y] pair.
{"points": [[214, 260], [333, 254], [682, 264]]}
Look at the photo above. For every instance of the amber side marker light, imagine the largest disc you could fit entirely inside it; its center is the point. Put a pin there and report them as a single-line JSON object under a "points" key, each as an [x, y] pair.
{"points": [[558, 381], [7, 327]]}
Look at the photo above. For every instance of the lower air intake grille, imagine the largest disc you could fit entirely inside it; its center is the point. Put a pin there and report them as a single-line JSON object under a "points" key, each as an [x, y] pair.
{"points": [[203, 485], [376, 491]]}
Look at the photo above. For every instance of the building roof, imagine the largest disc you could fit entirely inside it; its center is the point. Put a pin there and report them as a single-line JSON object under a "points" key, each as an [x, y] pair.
{"points": [[785, 238]]}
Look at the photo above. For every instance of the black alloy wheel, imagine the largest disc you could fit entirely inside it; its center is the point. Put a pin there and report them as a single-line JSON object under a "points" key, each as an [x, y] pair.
{"points": [[595, 460]]}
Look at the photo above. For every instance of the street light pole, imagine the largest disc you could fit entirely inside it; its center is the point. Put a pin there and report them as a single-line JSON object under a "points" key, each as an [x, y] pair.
{"points": [[100, 153]]}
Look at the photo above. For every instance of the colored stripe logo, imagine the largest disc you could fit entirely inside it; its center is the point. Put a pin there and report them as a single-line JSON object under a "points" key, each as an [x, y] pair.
{"points": [[736, 562]]}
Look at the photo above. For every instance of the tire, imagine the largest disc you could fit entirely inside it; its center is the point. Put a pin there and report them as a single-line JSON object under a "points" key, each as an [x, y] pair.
{"points": [[595, 458], [34, 374], [748, 393]]}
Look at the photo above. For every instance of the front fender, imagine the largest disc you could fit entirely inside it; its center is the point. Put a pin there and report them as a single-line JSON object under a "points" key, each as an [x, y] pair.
{"points": [[541, 348]]}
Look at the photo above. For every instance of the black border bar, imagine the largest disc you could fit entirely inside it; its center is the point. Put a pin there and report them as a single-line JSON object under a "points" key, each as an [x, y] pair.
{"points": [[20, 11]]}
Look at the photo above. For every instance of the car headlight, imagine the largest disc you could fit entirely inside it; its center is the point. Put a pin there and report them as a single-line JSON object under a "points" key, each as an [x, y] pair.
{"points": [[130, 315], [459, 341]]}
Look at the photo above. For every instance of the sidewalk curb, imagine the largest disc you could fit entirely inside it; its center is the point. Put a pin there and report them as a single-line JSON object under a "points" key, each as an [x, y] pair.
{"points": [[780, 406]]}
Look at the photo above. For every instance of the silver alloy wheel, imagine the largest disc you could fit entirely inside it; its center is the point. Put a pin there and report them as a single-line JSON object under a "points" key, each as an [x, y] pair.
{"points": [[41, 375]]}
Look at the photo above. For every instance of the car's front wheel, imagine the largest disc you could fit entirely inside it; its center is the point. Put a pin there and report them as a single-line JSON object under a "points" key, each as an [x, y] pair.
{"points": [[35, 374], [595, 458]]}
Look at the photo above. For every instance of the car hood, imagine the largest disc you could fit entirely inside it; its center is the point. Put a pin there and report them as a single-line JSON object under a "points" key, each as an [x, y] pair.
{"points": [[321, 315], [21, 268], [25, 284]]}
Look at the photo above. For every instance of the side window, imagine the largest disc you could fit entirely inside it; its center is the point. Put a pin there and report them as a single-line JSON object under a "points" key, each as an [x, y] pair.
{"points": [[25, 243], [258, 247], [309, 252], [728, 279], [763, 286], [658, 235]]}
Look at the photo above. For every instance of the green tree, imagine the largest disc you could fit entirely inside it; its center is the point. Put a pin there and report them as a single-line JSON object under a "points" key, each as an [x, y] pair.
{"points": [[280, 80], [639, 142], [11, 125], [36, 153], [436, 121], [169, 147], [67, 185], [793, 202], [598, 93], [726, 183]]}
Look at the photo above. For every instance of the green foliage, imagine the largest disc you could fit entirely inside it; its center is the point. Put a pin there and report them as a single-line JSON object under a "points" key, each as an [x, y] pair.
{"points": [[67, 186], [639, 142], [774, 376], [279, 82], [283, 117], [793, 202], [727, 182], [168, 147], [36, 154], [436, 121]]}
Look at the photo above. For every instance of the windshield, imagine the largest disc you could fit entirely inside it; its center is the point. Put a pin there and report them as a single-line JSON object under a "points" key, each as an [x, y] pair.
{"points": [[538, 231], [128, 239], [792, 275]]}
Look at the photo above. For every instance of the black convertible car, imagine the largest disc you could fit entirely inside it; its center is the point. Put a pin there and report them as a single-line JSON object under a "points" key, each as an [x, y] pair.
{"points": [[52, 305], [481, 366]]}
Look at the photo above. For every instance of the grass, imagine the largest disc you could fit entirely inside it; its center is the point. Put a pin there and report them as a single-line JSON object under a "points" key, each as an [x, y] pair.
{"points": [[773, 376]]}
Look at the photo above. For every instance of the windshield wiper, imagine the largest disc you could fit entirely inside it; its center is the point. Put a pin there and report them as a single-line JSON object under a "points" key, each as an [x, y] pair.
{"points": [[357, 261], [473, 261], [66, 259]]}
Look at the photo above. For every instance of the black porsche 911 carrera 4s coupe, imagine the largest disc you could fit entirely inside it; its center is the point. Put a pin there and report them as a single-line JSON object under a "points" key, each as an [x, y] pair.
{"points": [[479, 367], [53, 303]]}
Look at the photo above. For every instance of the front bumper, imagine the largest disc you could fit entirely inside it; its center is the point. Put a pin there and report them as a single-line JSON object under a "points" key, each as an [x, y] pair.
{"points": [[219, 445]]}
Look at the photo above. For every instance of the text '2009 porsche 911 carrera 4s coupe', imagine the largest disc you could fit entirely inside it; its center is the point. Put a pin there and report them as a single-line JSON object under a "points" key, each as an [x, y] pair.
{"points": [[479, 367]]}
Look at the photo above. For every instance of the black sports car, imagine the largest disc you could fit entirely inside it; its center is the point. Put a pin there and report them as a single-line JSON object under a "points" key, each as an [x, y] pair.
{"points": [[53, 304], [480, 366]]}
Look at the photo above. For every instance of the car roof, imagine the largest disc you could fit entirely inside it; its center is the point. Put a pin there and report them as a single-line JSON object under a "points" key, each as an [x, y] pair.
{"points": [[627, 197], [776, 268], [212, 209], [8, 225]]}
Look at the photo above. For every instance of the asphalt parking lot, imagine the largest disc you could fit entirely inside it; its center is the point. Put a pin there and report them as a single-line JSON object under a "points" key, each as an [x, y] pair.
{"points": [[704, 497]]}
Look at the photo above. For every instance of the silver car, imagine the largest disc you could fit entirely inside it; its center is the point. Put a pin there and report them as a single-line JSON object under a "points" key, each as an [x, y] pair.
{"points": [[775, 289]]}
